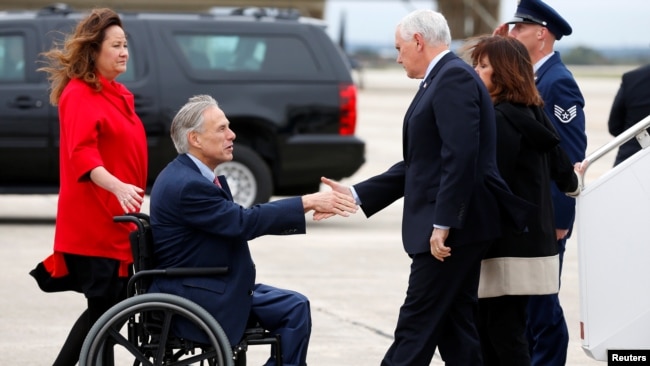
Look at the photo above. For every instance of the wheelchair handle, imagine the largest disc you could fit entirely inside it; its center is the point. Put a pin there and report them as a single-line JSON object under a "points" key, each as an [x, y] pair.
{"points": [[135, 218]]}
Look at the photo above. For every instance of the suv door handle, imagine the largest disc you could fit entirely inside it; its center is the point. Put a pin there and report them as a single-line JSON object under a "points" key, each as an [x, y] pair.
{"points": [[25, 103]]}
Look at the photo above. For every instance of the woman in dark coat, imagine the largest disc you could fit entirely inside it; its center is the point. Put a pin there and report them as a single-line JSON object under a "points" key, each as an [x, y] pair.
{"points": [[529, 158]]}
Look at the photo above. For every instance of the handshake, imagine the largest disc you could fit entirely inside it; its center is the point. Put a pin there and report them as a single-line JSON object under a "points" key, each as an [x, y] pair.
{"points": [[338, 201]]}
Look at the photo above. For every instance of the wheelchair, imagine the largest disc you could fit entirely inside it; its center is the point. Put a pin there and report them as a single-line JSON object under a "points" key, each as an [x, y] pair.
{"points": [[138, 330]]}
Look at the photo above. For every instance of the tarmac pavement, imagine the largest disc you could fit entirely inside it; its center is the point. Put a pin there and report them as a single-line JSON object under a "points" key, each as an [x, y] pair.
{"points": [[354, 270]]}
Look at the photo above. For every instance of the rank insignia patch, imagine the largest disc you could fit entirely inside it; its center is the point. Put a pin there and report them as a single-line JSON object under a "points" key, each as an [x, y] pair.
{"points": [[565, 116]]}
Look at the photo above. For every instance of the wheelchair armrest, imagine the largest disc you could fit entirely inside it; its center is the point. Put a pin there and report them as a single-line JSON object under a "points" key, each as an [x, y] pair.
{"points": [[255, 332]]}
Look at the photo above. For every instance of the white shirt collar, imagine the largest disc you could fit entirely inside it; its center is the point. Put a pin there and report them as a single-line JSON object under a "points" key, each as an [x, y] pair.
{"points": [[205, 171], [433, 62], [539, 63]]}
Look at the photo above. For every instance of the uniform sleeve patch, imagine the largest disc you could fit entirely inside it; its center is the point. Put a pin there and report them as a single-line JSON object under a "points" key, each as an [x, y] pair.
{"points": [[565, 116]]}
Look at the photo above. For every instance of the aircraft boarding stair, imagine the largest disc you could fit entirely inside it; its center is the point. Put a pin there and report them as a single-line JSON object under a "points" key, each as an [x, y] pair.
{"points": [[613, 232]]}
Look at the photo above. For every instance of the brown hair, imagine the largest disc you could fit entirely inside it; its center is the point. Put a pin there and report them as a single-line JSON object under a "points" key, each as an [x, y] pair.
{"points": [[76, 58], [513, 79]]}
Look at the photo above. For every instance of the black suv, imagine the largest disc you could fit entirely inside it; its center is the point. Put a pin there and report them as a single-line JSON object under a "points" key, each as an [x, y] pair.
{"points": [[285, 86]]}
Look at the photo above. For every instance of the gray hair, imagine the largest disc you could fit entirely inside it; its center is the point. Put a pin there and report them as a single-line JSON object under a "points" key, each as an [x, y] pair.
{"points": [[190, 118], [430, 24]]}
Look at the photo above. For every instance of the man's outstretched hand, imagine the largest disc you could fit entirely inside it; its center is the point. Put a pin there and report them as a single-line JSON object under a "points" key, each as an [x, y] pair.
{"points": [[338, 201], [344, 208]]}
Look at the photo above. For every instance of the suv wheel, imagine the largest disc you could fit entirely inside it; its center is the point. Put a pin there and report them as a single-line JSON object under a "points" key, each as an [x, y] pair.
{"points": [[249, 178]]}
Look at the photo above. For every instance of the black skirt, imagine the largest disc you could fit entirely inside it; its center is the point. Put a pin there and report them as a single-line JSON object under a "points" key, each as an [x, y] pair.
{"points": [[92, 276]]}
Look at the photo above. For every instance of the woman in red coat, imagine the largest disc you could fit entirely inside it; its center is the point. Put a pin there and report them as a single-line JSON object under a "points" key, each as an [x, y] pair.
{"points": [[103, 171]]}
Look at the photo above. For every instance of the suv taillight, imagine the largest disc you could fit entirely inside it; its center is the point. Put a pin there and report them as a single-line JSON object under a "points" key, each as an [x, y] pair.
{"points": [[348, 103]]}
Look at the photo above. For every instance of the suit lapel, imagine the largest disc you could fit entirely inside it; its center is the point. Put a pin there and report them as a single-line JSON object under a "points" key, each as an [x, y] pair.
{"points": [[185, 160], [424, 86], [405, 124], [416, 98], [225, 187]]}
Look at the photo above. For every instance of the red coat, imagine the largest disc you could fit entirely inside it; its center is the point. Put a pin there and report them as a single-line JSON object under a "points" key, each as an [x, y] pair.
{"points": [[97, 129]]}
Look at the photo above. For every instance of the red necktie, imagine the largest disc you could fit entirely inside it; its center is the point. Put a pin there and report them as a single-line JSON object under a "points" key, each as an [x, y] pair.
{"points": [[216, 181]]}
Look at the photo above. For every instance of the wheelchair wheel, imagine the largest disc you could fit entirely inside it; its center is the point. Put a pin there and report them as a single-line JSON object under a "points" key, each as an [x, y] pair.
{"points": [[138, 331]]}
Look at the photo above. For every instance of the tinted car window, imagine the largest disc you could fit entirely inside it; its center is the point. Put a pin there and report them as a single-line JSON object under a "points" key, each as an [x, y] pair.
{"points": [[237, 53], [12, 58]]}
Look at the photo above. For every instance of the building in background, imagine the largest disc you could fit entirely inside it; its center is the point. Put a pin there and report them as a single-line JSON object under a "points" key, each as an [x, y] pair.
{"points": [[313, 8], [468, 18], [465, 17]]}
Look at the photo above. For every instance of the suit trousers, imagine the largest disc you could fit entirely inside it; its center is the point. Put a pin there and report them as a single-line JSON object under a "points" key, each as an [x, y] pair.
{"points": [[288, 314], [440, 310], [502, 326], [548, 335]]}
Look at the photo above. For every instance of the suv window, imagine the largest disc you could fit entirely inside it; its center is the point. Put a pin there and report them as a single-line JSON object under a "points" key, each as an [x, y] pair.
{"points": [[12, 58], [237, 53]]}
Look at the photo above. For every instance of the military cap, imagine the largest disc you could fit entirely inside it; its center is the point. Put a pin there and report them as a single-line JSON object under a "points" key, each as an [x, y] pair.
{"points": [[537, 12]]}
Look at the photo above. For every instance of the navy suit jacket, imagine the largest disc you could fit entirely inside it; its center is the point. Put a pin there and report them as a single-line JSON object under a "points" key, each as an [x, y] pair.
{"points": [[196, 224], [631, 105], [449, 173]]}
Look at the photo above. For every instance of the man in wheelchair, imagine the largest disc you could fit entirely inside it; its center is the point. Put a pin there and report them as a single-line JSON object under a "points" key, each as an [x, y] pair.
{"points": [[196, 223]]}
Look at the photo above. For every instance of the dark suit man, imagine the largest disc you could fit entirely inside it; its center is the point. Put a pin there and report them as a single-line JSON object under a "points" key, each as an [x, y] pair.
{"points": [[631, 105], [195, 223], [452, 193]]}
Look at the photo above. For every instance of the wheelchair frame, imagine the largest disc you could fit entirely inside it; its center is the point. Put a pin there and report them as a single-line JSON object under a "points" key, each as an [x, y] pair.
{"points": [[139, 328]]}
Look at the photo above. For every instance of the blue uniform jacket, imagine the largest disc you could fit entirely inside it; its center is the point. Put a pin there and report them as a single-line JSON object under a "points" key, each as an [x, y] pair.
{"points": [[196, 224], [564, 106]]}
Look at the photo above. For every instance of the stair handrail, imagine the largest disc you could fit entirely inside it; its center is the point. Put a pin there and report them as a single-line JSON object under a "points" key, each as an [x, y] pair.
{"points": [[638, 130]]}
